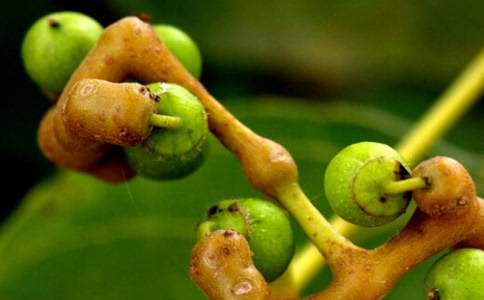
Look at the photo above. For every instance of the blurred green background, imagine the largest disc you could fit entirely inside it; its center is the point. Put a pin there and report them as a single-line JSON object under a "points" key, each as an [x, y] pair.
{"points": [[312, 75]]}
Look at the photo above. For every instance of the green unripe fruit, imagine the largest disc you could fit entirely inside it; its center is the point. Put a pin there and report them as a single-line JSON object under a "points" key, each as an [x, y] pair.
{"points": [[355, 181], [170, 153], [55, 45], [182, 46], [458, 275], [265, 226]]}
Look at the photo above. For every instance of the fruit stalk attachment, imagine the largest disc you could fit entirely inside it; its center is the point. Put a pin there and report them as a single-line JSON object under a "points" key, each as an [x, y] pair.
{"points": [[164, 121], [131, 48], [405, 185], [371, 274], [265, 226], [357, 181], [452, 105]]}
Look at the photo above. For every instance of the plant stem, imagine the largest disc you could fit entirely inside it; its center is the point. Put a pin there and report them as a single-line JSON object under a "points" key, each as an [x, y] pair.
{"points": [[452, 105], [448, 109], [167, 122], [266, 164], [323, 235], [306, 264], [406, 185]]}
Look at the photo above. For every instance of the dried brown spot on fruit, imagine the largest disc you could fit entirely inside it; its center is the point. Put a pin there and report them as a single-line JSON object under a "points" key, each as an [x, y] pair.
{"points": [[433, 295], [212, 210], [143, 90], [54, 23], [234, 207]]}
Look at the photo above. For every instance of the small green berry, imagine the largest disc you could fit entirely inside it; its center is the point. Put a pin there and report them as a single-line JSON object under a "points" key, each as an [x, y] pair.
{"points": [[182, 46], [265, 226], [355, 181], [458, 275], [55, 45], [170, 153]]}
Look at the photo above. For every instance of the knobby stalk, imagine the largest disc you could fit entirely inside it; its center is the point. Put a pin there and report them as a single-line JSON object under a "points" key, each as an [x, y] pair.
{"points": [[130, 48], [452, 105]]}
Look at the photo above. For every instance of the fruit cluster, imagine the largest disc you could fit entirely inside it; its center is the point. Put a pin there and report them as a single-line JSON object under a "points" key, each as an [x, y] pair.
{"points": [[161, 127], [114, 130], [368, 184], [127, 101], [265, 225]]}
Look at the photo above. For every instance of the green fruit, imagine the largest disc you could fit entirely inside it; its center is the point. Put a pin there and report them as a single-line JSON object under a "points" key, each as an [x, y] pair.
{"points": [[182, 46], [55, 45], [458, 275], [172, 153], [265, 226], [355, 180]]}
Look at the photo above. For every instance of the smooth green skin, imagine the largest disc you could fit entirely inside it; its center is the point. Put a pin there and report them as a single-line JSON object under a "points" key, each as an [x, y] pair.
{"points": [[172, 154], [182, 46], [354, 182], [458, 275], [369, 182], [265, 226], [51, 54], [226, 214]]}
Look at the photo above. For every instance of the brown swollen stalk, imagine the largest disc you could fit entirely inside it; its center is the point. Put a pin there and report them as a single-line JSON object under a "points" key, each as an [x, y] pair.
{"points": [[221, 263], [130, 48], [370, 274], [115, 113]]}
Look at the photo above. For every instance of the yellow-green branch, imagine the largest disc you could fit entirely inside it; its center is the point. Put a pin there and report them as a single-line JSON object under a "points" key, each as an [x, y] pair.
{"points": [[451, 106]]}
